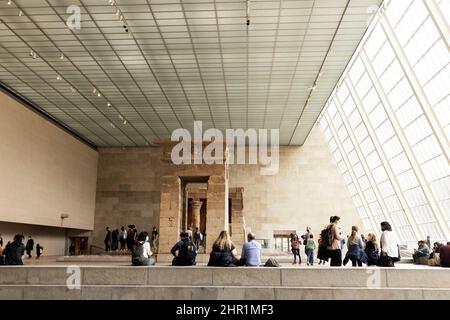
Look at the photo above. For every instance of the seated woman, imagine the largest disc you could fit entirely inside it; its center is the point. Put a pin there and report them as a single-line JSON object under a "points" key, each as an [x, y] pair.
{"points": [[184, 251], [355, 248], [223, 252], [434, 259], [372, 250], [141, 251]]}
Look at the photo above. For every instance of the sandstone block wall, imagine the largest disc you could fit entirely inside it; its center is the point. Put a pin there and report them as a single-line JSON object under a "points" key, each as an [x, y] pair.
{"points": [[128, 189]]}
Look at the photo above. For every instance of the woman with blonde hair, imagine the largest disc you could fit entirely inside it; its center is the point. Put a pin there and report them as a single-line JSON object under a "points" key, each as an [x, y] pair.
{"points": [[372, 250], [223, 252]]}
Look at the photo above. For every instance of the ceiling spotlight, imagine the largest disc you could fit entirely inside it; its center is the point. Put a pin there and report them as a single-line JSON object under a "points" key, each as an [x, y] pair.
{"points": [[112, 125], [20, 13], [94, 91], [108, 105], [117, 12], [124, 121], [99, 94], [31, 53], [58, 77], [120, 117], [72, 89], [9, 2], [62, 56]]}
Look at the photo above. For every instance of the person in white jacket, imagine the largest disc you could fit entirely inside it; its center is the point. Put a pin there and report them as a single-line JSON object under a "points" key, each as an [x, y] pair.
{"points": [[389, 242]]}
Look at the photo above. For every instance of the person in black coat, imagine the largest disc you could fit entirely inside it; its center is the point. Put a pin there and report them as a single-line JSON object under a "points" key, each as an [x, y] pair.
{"points": [[14, 251], [39, 250], [223, 252], [30, 246]]}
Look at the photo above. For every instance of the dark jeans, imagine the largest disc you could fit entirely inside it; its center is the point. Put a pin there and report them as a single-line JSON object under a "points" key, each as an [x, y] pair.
{"points": [[353, 260], [335, 257], [296, 253], [122, 244]]}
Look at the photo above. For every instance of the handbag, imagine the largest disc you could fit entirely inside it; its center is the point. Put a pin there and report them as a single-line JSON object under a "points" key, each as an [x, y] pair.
{"points": [[385, 260]]}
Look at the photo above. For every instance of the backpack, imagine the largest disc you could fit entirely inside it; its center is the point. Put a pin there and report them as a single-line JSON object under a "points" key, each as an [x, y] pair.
{"points": [[327, 237], [137, 255], [187, 252], [271, 262]]}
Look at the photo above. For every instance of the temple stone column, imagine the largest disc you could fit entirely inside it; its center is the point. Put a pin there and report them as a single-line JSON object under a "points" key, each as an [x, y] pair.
{"points": [[196, 206]]}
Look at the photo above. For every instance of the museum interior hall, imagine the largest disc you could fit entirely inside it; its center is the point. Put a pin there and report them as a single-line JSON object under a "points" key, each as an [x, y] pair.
{"points": [[297, 128]]}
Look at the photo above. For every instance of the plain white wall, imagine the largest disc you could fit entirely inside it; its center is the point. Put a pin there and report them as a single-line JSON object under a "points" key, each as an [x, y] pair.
{"points": [[45, 171], [51, 238]]}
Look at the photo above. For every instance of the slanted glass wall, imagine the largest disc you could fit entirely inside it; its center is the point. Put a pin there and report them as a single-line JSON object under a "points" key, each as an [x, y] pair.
{"points": [[388, 121]]}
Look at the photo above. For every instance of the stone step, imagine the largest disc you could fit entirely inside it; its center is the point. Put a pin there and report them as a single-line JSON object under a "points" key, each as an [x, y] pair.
{"points": [[413, 277], [133, 292]]}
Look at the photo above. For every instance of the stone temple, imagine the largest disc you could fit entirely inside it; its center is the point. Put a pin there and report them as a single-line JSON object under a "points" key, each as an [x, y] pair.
{"points": [[348, 103]]}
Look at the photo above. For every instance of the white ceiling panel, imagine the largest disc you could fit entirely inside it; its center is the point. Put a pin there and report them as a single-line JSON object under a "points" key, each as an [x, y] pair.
{"points": [[157, 65]]}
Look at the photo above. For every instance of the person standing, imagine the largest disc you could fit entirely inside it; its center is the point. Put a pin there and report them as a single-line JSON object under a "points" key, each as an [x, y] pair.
{"points": [[115, 240], [72, 248], [1, 240], [334, 239], [82, 247], [197, 237], [29, 246], [390, 252], [306, 237], [204, 240], [39, 250], [123, 238], [108, 239], [310, 247], [355, 248], [155, 236], [295, 248]]}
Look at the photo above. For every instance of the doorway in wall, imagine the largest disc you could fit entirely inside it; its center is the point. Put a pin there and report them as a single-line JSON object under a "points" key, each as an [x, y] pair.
{"points": [[78, 246]]}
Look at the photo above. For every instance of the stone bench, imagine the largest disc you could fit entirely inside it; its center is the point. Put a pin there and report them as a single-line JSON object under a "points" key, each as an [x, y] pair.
{"points": [[231, 277]]}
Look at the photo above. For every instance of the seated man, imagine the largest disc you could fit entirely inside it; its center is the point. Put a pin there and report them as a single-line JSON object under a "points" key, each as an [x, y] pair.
{"points": [[251, 252], [184, 251], [445, 255], [422, 251]]}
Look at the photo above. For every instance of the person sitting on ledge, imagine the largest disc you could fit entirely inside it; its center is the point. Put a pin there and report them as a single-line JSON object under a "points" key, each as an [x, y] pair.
{"points": [[184, 251], [372, 250], [444, 254], [251, 252], [223, 252], [14, 251], [434, 258], [422, 251], [141, 251]]}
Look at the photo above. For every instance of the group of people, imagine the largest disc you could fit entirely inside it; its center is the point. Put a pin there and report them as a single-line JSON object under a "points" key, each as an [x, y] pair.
{"points": [[13, 251], [362, 250], [223, 254], [439, 255], [127, 239]]}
